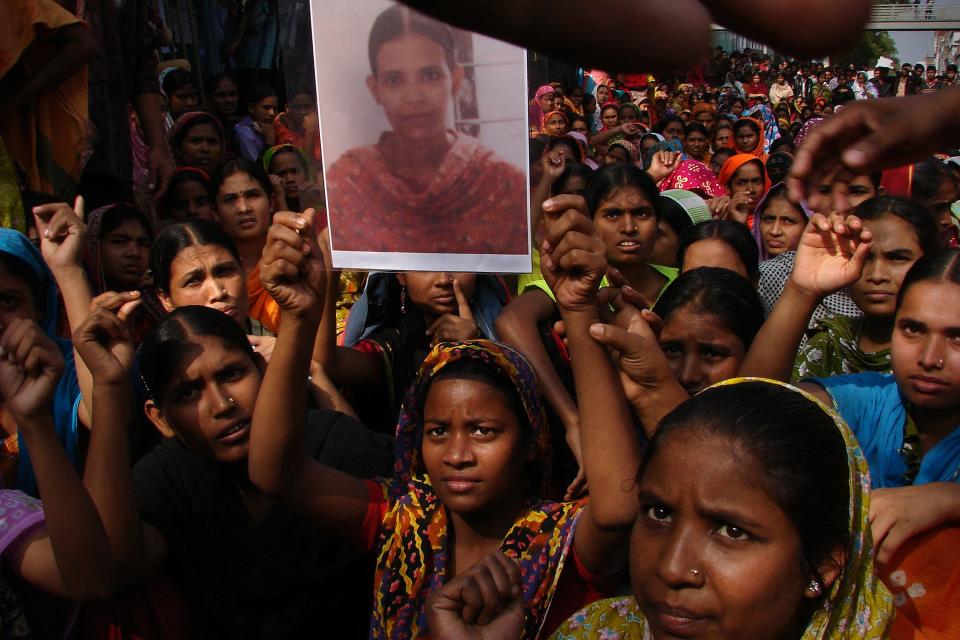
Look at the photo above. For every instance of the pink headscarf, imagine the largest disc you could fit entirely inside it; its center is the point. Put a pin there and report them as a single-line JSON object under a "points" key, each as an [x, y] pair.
{"points": [[693, 175], [535, 113]]}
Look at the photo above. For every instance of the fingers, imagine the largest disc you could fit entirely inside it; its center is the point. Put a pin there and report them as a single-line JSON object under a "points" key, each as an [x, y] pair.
{"points": [[463, 305], [571, 223], [578, 487], [113, 300], [611, 336], [80, 208], [24, 344], [556, 206]]}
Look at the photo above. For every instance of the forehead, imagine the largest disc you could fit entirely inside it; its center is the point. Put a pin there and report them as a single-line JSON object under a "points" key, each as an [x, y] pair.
{"points": [[469, 397], [780, 206], [284, 161], [411, 51], [190, 189], [626, 196], [892, 232], [201, 356], [197, 255], [748, 170], [239, 181], [10, 281], [688, 323], [129, 227], [202, 130], [936, 303]]}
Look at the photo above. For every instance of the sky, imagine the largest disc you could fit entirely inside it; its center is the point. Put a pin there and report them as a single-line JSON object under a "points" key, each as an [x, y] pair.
{"points": [[913, 46]]}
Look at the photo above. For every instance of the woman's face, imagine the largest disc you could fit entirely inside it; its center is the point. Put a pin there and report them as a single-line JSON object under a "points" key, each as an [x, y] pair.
{"points": [[628, 114], [183, 100], [603, 94], [201, 147], [16, 298], [124, 253], [473, 448], [546, 102], [748, 179], [925, 346], [610, 117], [415, 86], [208, 402], [300, 107], [225, 99], [557, 103], [208, 276], [736, 108], [627, 224], [555, 125], [939, 205], [580, 126], [243, 207], [266, 110], [616, 155], [713, 252], [665, 248], [190, 200], [746, 138], [700, 348], [722, 138], [288, 167], [756, 79], [432, 291], [781, 225], [712, 555], [860, 188], [696, 144], [894, 250], [646, 145], [674, 130], [576, 97]]}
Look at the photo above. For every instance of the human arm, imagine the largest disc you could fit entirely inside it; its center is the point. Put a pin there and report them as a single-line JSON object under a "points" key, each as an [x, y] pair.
{"points": [[72, 556], [160, 167], [899, 514], [626, 129], [293, 272], [829, 257], [552, 165], [663, 164], [573, 263]]}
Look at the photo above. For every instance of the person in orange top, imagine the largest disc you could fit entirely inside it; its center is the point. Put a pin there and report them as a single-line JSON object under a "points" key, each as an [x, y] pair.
{"points": [[745, 178]]}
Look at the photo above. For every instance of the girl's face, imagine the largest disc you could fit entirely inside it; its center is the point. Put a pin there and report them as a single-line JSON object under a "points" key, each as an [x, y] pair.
{"points": [[288, 167], [580, 126], [124, 253], [208, 402], [473, 448], [895, 249], [736, 108], [859, 189], [646, 145], [628, 114], [926, 346], [610, 117], [414, 86], [432, 291], [266, 110], [555, 125], [576, 97], [627, 224], [696, 144], [225, 99], [300, 107], [16, 298], [603, 94], [673, 130], [700, 348], [557, 103], [546, 102], [748, 179], [190, 200], [712, 555], [208, 276], [713, 252], [201, 147], [781, 225], [722, 138], [746, 138], [183, 100], [665, 249], [243, 207]]}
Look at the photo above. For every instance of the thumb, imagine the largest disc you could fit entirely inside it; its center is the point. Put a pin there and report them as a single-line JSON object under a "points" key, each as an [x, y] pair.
{"points": [[863, 155], [463, 305], [79, 208], [610, 336]]}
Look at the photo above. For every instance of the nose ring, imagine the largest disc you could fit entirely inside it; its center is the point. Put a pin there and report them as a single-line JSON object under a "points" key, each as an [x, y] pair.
{"points": [[231, 401], [695, 573]]}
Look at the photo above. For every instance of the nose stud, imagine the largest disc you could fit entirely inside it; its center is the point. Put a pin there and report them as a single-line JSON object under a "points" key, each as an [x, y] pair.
{"points": [[695, 573]]}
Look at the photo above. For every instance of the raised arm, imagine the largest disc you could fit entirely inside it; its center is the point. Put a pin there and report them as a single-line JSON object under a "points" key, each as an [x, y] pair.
{"points": [[830, 257], [573, 263], [293, 272], [71, 557]]}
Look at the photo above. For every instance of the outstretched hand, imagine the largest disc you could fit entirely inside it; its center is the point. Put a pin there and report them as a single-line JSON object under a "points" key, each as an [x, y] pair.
{"points": [[572, 257], [30, 369], [483, 603], [292, 269], [830, 255], [62, 233], [104, 340]]}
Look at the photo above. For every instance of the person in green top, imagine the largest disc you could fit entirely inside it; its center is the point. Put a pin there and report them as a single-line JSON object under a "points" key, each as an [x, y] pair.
{"points": [[903, 231], [621, 201]]}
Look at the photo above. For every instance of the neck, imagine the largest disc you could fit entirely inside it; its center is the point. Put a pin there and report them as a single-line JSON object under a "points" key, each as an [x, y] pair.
{"points": [[934, 424], [429, 151], [643, 279], [251, 250], [474, 534], [876, 334]]}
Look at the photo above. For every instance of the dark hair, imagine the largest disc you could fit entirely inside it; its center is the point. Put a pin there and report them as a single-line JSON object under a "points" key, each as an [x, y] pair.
{"points": [[573, 169], [942, 265], [574, 117], [696, 126], [928, 176], [778, 166], [120, 213], [23, 271], [609, 105], [734, 234], [569, 143], [537, 147], [177, 237], [174, 80], [217, 78], [610, 178], [745, 122], [399, 21], [673, 214], [181, 176], [161, 350], [262, 92], [915, 214], [719, 292], [727, 151], [796, 447], [239, 165], [666, 121], [179, 133], [785, 140]]}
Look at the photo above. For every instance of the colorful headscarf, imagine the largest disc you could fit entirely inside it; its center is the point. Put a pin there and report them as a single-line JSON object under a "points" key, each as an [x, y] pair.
{"points": [[858, 606], [269, 154], [774, 191], [759, 150], [693, 174], [582, 142], [629, 147], [534, 111], [805, 130], [703, 107], [549, 115], [735, 162], [770, 130], [413, 552]]}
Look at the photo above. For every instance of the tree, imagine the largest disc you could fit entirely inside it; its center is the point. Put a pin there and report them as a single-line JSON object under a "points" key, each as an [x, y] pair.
{"points": [[872, 46]]}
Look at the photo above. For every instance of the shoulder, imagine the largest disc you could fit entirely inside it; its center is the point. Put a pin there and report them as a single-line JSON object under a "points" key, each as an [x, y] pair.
{"points": [[611, 618], [343, 443]]}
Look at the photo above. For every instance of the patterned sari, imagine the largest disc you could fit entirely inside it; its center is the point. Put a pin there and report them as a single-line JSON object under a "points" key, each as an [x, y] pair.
{"points": [[858, 606], [413, 545]]}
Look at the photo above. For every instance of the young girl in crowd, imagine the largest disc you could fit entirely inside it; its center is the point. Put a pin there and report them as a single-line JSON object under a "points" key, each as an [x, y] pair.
{"points": [[255, 132], [197, 141], [679, 210], [288, 163], [748, 138], [118, 246], [472, 445], [719, 243], [555, 123], [696, 142], [778, 223], [187, 196], [243, 196], [299, 126], [710, 317], [246, 566], [180, 91], [224, 102]]}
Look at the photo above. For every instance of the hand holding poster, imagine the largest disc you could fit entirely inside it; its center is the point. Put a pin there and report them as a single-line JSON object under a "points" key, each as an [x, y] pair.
{"points": [[423, 129]]}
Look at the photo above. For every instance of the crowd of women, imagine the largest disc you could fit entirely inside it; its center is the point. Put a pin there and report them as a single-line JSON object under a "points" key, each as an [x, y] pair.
{"points": [[724, 404]]}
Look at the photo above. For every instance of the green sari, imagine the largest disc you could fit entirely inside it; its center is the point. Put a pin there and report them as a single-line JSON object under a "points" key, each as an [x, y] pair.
{"points": [[834, 350]]}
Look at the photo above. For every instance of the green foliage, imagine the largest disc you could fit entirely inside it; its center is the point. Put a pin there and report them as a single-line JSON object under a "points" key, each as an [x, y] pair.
{"points": [[865, 53]]}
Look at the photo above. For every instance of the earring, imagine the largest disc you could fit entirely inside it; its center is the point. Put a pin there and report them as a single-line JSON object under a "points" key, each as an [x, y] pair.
{"points": [[814, 587], [403, 299]]}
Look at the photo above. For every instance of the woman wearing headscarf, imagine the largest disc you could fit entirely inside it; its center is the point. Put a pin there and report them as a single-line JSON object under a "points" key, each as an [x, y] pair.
{"points": [[745, 178], [540, 106]]}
